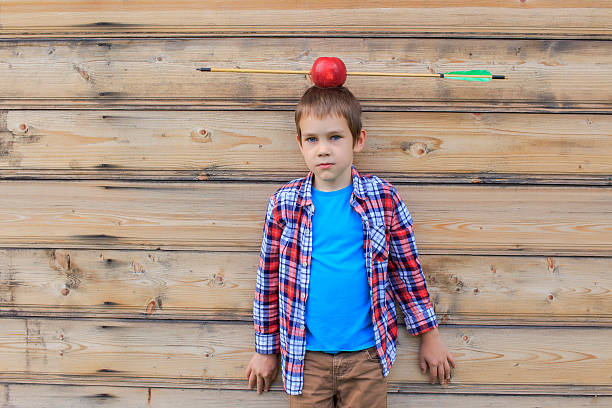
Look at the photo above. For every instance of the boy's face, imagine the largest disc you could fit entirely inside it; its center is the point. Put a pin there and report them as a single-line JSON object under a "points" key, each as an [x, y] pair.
{"points": [[327, 147]]}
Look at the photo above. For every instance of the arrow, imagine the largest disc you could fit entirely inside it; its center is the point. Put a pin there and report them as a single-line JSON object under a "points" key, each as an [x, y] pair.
{"points": [[478, 75]]}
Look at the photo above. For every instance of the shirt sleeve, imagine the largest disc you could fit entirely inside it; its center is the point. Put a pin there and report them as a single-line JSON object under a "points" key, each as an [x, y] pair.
{"points": [[265, 305], [405, 273]]}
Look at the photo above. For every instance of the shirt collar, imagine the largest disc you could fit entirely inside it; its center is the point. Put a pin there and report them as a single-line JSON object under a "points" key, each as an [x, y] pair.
{"points": [[305, 193]]}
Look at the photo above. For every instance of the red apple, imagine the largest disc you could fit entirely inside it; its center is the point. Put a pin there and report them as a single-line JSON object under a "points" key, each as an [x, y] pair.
{"points": [[328, 72]]}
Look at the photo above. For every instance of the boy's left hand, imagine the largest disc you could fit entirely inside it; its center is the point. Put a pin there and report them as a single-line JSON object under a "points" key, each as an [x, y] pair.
{"points": [[434, 354]]}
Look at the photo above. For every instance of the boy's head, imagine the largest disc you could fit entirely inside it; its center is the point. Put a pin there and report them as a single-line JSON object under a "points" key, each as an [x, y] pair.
{"points": [[329, 132], [337, 101]]}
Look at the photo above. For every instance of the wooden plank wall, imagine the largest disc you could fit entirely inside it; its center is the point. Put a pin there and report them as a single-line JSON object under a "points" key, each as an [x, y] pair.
{"points": [[133, 190]]}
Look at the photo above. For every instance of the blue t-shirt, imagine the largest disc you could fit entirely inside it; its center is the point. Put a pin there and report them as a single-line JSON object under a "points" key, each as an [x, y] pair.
{"points": [[338, 308]]}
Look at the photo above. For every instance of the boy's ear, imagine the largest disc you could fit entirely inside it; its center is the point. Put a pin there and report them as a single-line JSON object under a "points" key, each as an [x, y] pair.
{"points": [[360, 142], [299, 142]]}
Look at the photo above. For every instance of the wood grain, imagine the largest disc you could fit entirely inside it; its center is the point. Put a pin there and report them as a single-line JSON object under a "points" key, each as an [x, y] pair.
{"points": [[453, 18], [133, 190], [256, 146], [469, 219], [543, 75], [197, 354], [40, 396], [177, 285]]}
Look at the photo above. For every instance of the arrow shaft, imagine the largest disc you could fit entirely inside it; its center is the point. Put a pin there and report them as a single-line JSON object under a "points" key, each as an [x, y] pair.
{"points": [[394, 74], [258, 71]]}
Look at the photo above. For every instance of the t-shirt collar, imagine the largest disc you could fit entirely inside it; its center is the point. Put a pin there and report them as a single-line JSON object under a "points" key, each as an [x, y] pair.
{"points": [[305, 193]]}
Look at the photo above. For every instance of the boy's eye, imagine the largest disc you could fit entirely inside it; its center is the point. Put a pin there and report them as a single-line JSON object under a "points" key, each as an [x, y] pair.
{"points": [[310, 139], [337, 136]]}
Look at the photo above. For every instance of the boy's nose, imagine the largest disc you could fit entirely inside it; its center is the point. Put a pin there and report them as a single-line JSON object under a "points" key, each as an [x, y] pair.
{"points": [[323, 149]]}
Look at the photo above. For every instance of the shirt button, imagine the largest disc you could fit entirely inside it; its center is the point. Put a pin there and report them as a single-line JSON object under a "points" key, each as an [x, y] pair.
{"points": [[302, 326], [304, 264]]}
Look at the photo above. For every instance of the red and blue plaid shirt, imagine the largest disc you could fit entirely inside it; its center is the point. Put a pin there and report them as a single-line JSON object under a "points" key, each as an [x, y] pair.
{"points": [[392, 265]]}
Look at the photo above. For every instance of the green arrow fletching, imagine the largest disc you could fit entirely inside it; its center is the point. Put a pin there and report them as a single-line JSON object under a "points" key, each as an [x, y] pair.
{"points": [[462, 75]]}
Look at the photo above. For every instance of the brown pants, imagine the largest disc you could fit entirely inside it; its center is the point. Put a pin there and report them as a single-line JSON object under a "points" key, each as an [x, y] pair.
{"points": [[347, 379]]}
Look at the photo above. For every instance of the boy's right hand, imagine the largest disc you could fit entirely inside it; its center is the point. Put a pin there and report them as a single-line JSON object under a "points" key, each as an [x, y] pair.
{"points": [[262, 370]]}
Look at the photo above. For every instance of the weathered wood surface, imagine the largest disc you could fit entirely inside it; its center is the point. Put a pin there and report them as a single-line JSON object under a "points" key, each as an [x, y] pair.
{"points": [[543, 75], [254, 146], [200, 354], [221, 285], [453, 18], [468, 219], [43, 396], [120, 101]]}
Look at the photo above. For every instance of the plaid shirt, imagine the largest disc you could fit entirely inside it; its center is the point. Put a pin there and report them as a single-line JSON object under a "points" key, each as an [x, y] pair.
{"points": [[392, 265]]}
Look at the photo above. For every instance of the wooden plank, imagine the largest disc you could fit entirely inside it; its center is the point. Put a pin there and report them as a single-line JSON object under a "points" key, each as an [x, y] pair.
{"points": [[550, 76], [220, 286], [247, 145], [41, 396], [454, 18], [204, 354], [469, 219]]}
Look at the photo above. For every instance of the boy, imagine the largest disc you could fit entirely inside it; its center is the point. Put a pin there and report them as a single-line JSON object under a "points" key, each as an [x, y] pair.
{"points": [[337, 250]]}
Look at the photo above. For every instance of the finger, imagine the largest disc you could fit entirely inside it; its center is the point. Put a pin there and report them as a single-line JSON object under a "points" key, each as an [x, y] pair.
{"points": [[274, 374], [252, 380], [451, 359], [423, 365], [433, 371], [248, 372], [260, 384], [267, 382], [441, 373], [447, 372]]}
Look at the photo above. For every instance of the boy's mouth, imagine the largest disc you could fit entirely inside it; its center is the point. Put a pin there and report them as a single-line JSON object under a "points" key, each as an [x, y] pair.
{"points": [[325, 165]]}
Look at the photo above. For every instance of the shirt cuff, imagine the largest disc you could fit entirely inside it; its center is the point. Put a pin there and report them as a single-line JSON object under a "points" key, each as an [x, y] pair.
{"points": [[267, 343], [426, 324]]}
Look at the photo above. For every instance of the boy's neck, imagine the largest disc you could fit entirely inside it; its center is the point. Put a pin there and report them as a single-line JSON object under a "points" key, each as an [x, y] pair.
{"points": [[327, 187]]}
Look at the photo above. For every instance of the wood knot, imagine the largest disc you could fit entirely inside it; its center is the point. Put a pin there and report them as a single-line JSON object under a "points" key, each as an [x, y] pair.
{"points": [[65, 291], [219, 280], [151, 307], [138, 268], [23, 128], [72, 280], [415, 149], [552, 268], [201, 136]]}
